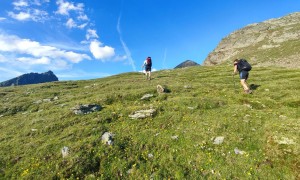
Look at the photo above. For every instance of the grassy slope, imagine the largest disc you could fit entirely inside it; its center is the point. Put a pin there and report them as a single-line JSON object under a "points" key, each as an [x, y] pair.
{"points": [[32, 134]]}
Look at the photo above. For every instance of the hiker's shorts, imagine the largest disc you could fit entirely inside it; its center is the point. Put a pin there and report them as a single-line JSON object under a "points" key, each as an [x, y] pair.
{"points": [[148, 68], [244, 75]]}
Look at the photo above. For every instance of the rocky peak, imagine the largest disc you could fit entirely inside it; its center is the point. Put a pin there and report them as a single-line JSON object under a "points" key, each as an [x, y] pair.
{"points": [[30, 78], [274, 42], [186, 63]]}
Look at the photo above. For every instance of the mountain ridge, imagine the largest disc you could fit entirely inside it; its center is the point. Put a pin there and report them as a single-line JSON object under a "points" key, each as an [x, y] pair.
{"points": [[30, 78], [274, 42]]}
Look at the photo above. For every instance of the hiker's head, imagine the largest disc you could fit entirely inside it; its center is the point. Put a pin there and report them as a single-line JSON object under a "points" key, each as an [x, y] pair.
{"points": [[148, 57], [235, 61]]}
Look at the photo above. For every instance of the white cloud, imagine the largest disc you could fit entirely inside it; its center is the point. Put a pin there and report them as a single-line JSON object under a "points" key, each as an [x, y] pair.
{"points": [[20, 3], [71, 23], [2, 19], [14, 44], [91, 34], [65, 7], [83, 17], [31, 14], [35, 61], [22, 16], [101, 52], [82, 26]]}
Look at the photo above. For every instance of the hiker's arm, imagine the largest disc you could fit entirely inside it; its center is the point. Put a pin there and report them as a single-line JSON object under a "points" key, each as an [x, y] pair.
{"points": [[235, 69]]}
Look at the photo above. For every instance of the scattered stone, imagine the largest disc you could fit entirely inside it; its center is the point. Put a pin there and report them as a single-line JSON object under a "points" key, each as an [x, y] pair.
{"points": [[55, 98], [284, 140], [187, 87], [1, 115], [107, 138], [86, 109], [191, 108], [65, 151], [38, 102], [150, 155], [160, 89], [246, 116], [248, 105], [147, 96], [267, 90], [218, 140], [143, 114], [282, 117], [47, 100], [237, 151], [174, 137], [130, 171], [33, 130]]}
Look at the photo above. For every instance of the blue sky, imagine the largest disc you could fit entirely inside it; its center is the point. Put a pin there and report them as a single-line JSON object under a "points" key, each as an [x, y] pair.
{"points": [[87, 39]]}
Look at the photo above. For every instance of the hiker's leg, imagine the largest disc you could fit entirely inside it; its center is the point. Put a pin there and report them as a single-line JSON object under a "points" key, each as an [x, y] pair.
{"points": [[244, 77], [244, 84], [149, 75]]}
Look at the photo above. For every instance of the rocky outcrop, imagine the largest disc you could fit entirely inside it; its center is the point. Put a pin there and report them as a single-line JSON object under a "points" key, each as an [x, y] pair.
{"points": [[274, 42], [186, 63], [30, 78]]}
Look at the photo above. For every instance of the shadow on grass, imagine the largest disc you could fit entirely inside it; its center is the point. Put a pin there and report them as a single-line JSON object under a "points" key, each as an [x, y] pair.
{"points": [[254, 86]]}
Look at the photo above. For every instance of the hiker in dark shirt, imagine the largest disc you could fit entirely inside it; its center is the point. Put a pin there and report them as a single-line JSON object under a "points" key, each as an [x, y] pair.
{"points": [[148, 64], [243, 67]]}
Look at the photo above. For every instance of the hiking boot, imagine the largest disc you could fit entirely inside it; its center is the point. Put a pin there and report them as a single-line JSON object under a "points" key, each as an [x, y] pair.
{"points": [[248, 91]]}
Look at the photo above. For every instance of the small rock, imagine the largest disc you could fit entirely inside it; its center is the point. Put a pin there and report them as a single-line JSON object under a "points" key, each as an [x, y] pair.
{"points": [[147, 96], [237, 151], [143, 114], [38, 102], [107, 138], [150, 155], [174, 137], [160, 89], [86, 109], [46, 100], [284, 140], [282, 117], [248, 105], [65, 151], [218, 140], [187, 86]]}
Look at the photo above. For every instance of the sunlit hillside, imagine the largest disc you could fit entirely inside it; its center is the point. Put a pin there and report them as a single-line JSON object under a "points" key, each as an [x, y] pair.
{"points": [[202, 127]]}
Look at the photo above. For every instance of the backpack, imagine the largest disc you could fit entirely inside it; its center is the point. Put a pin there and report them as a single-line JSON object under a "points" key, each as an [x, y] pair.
{"points": [[244, 65], [149, 62]]}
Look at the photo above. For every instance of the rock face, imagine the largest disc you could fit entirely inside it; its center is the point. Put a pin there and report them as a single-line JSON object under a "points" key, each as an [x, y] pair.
{"points": [[274, 42], [30, 78], [186, 63]]}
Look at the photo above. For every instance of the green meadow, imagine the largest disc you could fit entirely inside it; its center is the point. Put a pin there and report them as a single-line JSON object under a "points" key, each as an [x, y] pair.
{"points": [[260, 131]]}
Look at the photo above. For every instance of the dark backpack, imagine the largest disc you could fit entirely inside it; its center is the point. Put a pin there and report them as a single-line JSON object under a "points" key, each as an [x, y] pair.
{"points": [[244, 65], [149, 62]]}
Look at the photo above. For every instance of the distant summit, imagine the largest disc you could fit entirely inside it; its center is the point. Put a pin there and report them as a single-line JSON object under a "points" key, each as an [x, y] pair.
{"points": [[187, 63], [30, 78]]}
